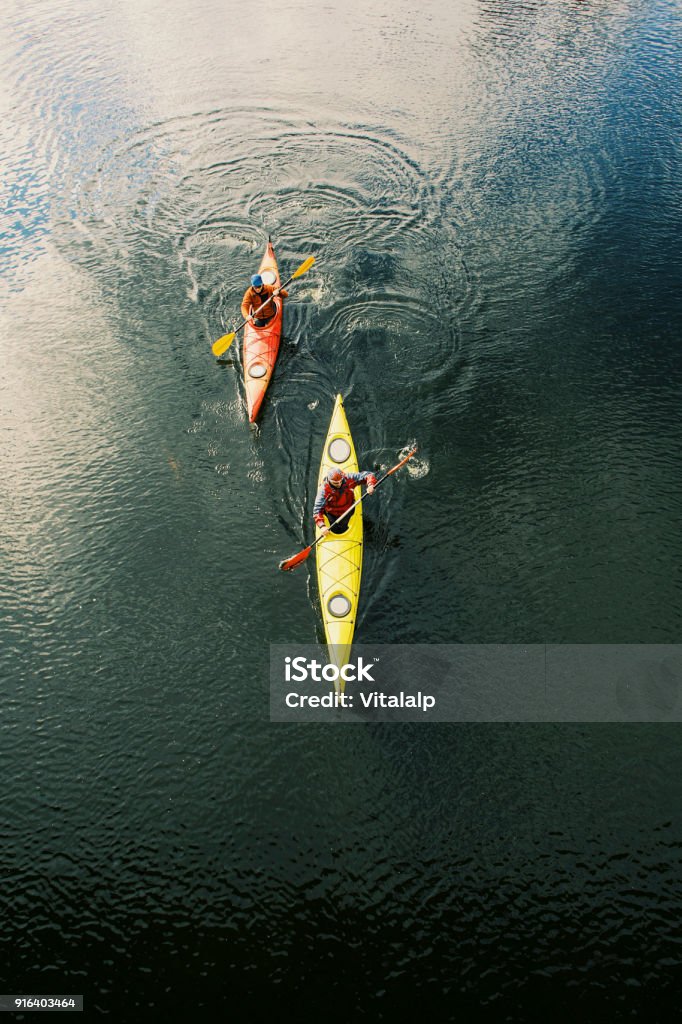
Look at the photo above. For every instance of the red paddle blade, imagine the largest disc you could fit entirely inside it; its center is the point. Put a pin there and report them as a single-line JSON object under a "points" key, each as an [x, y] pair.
{"points": [[402, 461], [291, 563]]}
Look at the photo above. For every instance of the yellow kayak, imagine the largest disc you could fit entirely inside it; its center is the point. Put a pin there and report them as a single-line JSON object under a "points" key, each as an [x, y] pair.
{"points": [[339, 558]]}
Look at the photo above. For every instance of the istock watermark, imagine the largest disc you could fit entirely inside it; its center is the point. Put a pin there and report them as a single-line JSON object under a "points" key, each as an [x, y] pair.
{"points": [[300, 670], [477, 683], [305, 685]]}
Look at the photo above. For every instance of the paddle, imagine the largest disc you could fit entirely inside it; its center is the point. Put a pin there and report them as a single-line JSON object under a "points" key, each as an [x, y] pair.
{"points": [[291, 563], [222, 344]]}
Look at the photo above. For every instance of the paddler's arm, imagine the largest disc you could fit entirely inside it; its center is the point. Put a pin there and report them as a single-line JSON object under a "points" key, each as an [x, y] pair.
{"points": [[366, 477], [246, 304], [318, 510]]}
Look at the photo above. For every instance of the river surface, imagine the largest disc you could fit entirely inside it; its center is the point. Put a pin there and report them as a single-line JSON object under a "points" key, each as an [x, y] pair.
{"points": [[492, 191]]}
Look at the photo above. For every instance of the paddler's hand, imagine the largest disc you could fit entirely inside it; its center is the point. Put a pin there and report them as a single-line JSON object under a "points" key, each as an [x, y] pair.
{"points": [[370, 488], [324, 530]]}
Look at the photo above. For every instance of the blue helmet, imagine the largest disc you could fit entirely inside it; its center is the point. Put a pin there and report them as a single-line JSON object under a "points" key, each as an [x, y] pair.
{"points": [[256, 281]]}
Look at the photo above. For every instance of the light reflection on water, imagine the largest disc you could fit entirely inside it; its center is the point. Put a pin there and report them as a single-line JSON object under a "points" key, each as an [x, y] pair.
{"points": [[491, 192]]}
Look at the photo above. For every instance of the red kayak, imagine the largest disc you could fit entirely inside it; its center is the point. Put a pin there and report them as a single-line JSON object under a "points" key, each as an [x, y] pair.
{"points": [[261, 344]]}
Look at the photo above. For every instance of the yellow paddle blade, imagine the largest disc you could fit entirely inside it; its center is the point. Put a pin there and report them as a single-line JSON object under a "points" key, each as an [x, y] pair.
{"points": [[304, 268], [222, 344]]}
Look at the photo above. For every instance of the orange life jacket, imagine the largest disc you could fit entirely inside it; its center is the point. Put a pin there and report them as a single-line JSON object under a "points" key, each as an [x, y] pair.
{"points": [[253, 299]]}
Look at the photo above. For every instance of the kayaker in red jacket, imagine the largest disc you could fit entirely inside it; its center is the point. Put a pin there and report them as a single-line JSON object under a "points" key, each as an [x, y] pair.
{"points": [[335, 495], [254, 296]]}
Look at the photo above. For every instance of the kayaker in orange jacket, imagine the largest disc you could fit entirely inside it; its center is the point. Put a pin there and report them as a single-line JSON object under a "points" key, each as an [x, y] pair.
{"points": [[254, 296], [336, 494]]}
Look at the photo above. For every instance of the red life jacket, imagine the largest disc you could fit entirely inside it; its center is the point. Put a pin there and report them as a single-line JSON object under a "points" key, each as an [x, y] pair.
{"points": [[338, 499]]}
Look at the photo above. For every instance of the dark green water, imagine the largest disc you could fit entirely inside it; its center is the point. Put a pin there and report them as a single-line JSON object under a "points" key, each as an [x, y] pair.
{"points": [[492, 195]]}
